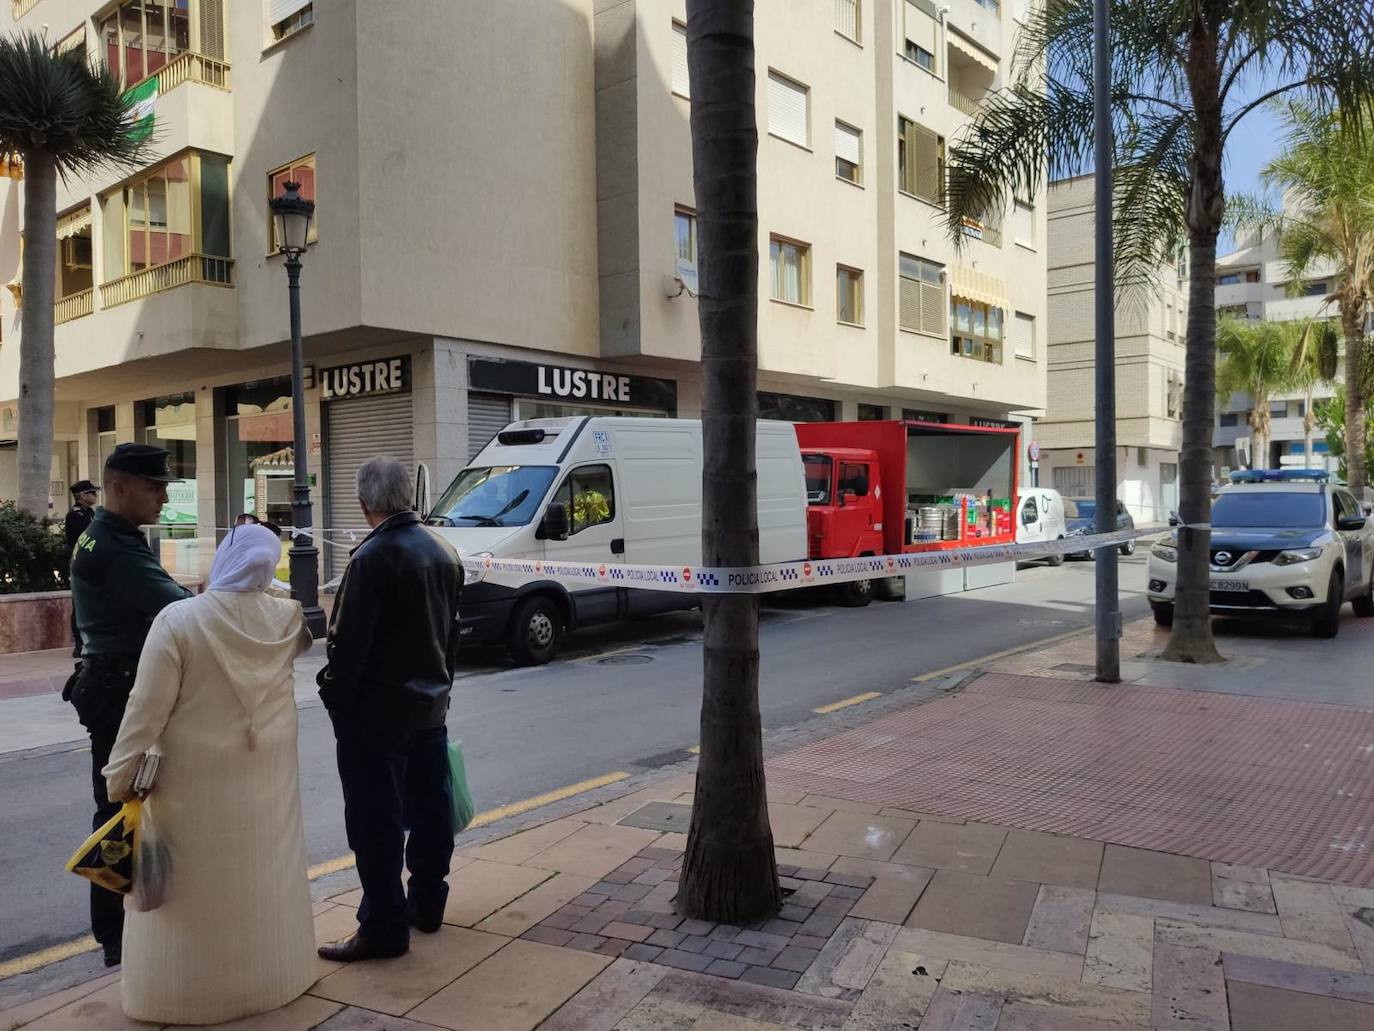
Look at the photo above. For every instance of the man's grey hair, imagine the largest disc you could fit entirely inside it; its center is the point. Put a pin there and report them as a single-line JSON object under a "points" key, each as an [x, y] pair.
{"points": [[384, 486]]}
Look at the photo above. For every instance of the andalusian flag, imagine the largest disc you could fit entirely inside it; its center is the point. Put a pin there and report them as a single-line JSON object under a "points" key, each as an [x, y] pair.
{"points": [[142, 100]]}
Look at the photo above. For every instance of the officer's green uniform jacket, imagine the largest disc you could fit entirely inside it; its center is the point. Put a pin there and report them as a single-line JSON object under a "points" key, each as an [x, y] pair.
{"points": [[117, 587]]}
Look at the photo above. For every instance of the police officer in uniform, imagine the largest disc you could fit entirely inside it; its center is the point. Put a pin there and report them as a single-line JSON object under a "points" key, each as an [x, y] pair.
{"points": [[84, 496], [117, 588]]}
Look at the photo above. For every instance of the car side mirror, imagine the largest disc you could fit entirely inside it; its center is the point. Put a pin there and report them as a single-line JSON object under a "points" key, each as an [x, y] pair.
{"points": [[1351, 522], [555, 525], [1173, 518]]}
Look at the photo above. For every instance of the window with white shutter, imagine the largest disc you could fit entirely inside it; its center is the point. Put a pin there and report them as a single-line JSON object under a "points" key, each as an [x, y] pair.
{"points": [[1023, 334], [920, 33], [1023, 224], [289, 16], [681, 83], [848, 153], [788, 114], [921, 301], [847, 19]]}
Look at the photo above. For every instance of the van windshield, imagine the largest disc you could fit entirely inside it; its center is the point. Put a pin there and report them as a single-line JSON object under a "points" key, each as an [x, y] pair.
{"points": [[818, 468], [495, 495]]}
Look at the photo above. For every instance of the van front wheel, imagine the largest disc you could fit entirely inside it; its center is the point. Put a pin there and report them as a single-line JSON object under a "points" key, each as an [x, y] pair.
{"points": [[856, 594], [535, 631]]}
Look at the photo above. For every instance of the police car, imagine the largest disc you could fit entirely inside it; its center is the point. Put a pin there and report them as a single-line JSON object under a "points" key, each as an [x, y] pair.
{"points": [[1285, 543]]}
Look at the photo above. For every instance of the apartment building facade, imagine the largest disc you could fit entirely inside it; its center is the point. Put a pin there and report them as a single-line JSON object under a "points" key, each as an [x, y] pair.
{"points": [[505, 230], [1151, 322], [1253, 282]]}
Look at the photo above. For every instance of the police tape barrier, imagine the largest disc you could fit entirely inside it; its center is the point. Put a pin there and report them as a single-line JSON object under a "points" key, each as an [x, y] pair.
{"points": [[786, 576]]}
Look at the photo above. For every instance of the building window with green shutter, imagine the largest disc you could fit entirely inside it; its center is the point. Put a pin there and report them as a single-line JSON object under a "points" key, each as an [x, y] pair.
{"points": [[849, 296], [791, 266], [920, 162], [921, 296], [978, 330]]}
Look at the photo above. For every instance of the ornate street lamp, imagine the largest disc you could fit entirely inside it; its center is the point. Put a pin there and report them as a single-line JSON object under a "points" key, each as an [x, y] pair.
{"points": [[291, 214]]}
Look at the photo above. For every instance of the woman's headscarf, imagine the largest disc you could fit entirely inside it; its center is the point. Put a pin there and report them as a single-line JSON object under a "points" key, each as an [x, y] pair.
{"points": [[246, 560]]}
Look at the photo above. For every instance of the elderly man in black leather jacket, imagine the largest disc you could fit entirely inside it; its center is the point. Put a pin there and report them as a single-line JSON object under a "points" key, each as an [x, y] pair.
{"points": [[393, 636]]}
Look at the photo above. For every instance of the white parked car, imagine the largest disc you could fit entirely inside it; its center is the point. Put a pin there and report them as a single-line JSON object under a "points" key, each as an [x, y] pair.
{"points": [[1040, 517], [1284, 543]]}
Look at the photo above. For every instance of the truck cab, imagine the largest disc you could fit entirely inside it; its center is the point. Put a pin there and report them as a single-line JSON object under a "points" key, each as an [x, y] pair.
{"points": [[844, 509]]}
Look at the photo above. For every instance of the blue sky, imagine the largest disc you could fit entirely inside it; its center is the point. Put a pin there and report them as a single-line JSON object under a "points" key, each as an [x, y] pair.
{"points": [[1254, 142]]}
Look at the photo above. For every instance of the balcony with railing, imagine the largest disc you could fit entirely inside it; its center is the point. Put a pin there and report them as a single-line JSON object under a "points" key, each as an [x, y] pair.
{"points": [[64, 309], [962, 102], [985, 231], [192, 67], [22, 7], [192, 268]]}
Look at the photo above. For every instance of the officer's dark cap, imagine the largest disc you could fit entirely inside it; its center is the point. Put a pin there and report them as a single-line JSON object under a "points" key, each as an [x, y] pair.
{"points": [[82, 486], [152, 463]]}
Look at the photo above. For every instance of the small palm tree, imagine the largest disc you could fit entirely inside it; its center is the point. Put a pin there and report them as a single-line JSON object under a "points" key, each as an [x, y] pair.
{"points": [[1183, 82], [62, 117], [1258, 358], [1325, 174]]}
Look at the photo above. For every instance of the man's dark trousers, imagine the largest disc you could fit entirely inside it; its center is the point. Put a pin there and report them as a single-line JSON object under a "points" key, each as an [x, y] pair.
{"points": [[394, 780]]}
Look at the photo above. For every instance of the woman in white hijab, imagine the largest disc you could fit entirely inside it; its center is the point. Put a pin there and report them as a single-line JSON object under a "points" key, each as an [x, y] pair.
{"points": [[215, 695]]}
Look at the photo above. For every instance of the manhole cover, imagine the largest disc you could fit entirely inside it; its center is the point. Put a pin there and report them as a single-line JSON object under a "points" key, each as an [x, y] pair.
{"points": [[661, 816], [624, 660]]}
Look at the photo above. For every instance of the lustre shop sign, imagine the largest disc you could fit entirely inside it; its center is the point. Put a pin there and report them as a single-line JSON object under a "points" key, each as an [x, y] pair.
{"points": [[378, 376], [584, 386]]}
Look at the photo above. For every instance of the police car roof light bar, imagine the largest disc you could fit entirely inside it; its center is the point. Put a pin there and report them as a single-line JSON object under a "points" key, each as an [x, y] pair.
{"points": [[1279, 475]]}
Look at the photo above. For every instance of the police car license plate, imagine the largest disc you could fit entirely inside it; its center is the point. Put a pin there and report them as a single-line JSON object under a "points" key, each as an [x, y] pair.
{"points": [[1230, 585]]}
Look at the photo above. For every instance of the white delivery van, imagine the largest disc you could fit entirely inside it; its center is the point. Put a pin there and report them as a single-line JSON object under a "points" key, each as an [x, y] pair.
{"points": [[1040, 517], [597, 490]]}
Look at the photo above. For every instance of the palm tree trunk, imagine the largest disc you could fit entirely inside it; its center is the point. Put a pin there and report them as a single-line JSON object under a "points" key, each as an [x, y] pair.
{"points": [[36, 334], [1352, 314], [1259, 420], [1308, 424], [730, 871]]}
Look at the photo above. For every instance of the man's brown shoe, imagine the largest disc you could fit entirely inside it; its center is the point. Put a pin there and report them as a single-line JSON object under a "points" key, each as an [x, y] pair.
{"points": [[356, 948]]}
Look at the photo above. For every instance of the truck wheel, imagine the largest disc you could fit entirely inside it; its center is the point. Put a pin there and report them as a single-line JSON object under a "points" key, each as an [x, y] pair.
{"points": [[1164, 614], [1327, 623], [535, 631], [856, 594]]}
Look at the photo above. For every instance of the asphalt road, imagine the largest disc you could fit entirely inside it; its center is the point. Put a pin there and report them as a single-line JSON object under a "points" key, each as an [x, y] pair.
{"points": [[621, 699]]}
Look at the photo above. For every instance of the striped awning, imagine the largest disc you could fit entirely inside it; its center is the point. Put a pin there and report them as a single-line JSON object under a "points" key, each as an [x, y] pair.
{"points": [[74, 222], [970, 49], [973, 285]]}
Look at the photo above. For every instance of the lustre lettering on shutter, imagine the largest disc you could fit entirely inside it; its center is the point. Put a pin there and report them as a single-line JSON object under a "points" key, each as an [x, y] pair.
{"points": [[378, 376]]}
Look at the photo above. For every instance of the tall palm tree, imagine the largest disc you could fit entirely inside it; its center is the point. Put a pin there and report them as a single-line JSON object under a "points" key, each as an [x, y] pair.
{"points": [[730, 872], [63, 118], [1325, 174], [1315, 363], [1184, 75], [1258, 358]]}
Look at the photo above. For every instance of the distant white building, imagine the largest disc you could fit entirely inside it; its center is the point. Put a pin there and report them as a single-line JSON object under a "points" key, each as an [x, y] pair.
{"points": [[1253, 283]]}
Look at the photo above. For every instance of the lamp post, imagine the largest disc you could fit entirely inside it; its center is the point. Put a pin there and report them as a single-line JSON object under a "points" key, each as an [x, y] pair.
{"points": [[291, 214]]}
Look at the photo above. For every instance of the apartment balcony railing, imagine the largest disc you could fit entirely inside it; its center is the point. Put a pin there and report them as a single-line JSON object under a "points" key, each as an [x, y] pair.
{"points": [[190, 67], [193, 268], [989, 234], [22, 7], [962, 102], [64, 309]]}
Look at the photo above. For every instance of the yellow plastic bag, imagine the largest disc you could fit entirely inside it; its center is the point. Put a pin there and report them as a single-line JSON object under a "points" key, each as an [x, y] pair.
{"points": [[107, 856]]}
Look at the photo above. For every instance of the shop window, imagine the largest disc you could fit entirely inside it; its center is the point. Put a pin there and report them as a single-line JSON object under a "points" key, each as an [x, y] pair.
{"points": [[260, 446], [791, 263], [141, 37], [170, 422], [589, 494], [848, 153], [916, 415], [922, 295], [105, 438], [153, 220], [849, 296], [685, 233], [853, 480], [977, 330], [287, 17], [301, 171], [920, 162], [791, 408]]}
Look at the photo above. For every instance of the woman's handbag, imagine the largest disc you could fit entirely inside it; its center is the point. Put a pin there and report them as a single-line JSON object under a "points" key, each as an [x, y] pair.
{"points": [[463, 808]]}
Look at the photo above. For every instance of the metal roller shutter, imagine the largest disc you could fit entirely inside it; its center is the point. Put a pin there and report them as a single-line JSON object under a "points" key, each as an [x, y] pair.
{"points": [[488, 415], [358, 429]]}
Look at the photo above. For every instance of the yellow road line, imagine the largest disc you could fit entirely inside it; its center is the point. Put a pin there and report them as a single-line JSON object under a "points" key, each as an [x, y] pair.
{"points": [[35, 960], [1006, 653], [847, 702]]}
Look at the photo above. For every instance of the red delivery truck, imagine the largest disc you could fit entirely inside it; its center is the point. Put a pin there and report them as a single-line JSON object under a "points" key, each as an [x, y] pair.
{"points": [[894, 486]]}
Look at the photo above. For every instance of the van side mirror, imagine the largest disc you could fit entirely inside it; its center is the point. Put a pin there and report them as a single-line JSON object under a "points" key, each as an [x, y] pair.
{"points": [[555, 526]]}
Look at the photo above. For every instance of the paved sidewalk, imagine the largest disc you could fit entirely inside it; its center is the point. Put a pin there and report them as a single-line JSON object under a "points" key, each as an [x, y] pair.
{"points": [[925, 886]]}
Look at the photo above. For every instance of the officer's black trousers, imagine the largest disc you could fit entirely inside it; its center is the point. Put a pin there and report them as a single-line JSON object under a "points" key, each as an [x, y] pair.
{"points": [[107, 907], [394, 781]]}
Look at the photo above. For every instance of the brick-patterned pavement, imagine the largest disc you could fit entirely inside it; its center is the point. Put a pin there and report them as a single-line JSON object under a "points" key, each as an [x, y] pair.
{"points": [[1269, 782]]}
